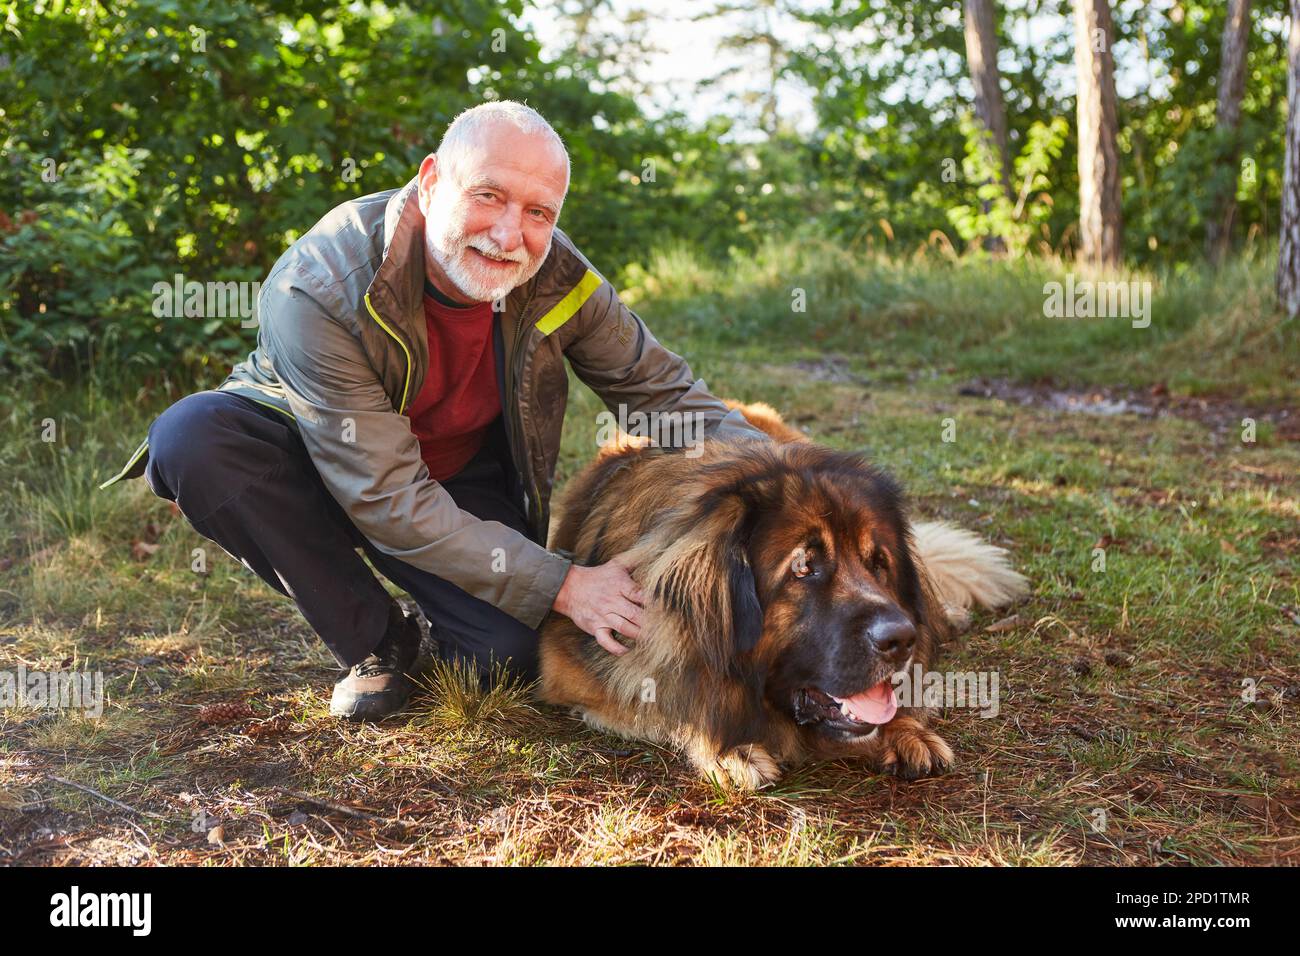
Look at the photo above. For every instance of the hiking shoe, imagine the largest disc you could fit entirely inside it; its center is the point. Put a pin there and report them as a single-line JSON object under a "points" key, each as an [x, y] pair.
{"points": [[379, 685]]}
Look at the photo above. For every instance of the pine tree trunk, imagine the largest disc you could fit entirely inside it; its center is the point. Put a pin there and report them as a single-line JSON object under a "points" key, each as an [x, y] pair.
{"points": [[982, 59], [1232, 84], [1288, 265], [1100, 227]]}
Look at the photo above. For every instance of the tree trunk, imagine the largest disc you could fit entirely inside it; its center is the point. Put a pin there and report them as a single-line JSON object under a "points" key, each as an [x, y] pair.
{"points": [[1100, 228], [1288, 264], [1232, 84], [982, 59]]}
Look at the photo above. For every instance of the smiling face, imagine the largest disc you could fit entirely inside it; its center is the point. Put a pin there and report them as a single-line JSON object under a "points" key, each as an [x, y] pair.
{"points": [[841, 602], [490, 218]]}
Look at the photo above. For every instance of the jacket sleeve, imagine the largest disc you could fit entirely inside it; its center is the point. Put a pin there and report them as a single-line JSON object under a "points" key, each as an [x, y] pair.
{"points": [[370, 461], [618, 357]]}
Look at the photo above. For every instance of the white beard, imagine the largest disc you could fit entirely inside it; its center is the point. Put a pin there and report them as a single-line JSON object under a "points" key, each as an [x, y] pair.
{"points": [[451, 252]]}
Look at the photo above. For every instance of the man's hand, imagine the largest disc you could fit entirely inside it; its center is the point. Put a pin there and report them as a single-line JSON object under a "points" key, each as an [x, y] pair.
{"points": [[601, 600]]}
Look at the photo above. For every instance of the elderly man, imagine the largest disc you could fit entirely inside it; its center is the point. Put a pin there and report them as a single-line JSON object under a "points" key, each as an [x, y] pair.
{"points": [[406, 398]]}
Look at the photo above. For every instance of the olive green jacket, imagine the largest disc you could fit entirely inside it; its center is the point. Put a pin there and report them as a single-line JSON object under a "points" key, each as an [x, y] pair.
{"points": [[342, 351]]}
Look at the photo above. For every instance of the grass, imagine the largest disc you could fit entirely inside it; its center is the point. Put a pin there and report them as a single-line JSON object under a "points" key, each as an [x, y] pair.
{"points": [[1147, 712], [1209, 334]]}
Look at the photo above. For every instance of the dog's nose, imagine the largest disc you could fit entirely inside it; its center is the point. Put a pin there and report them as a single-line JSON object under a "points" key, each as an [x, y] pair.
{"points": [[892, 634]]}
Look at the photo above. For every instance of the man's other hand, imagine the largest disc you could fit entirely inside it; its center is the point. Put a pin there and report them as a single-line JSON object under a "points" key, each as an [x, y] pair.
{"points": [[601, 600]]}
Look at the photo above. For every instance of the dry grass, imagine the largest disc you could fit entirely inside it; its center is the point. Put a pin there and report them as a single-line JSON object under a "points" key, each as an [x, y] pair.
{"points": [[1123, 736]]}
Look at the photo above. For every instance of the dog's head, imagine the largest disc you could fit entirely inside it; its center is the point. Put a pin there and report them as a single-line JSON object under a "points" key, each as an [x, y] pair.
{"points": [[793, 575]]}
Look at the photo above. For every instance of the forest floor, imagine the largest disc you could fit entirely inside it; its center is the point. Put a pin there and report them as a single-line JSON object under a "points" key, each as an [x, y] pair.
{"points": [[1148, 707]]}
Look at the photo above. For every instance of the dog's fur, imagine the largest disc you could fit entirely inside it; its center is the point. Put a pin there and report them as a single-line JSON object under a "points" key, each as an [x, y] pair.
{"points": [[742, 646]]}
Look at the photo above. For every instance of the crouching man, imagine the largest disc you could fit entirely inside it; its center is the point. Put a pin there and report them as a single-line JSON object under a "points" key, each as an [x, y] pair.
{"points": [[406, 398]]}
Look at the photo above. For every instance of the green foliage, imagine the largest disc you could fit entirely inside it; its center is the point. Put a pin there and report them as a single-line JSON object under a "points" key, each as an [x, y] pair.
{"points": [[1170, 143], [1016, 222], [148, 138], [890, 87], [69, 258]]}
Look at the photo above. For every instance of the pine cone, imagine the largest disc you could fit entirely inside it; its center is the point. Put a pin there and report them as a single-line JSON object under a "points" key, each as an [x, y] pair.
{"points": [[224, 713], [278, 724]]}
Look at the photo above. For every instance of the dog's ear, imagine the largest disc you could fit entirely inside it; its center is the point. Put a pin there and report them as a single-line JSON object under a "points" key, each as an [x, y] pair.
{"points": [[746, 610], [705, 580]]}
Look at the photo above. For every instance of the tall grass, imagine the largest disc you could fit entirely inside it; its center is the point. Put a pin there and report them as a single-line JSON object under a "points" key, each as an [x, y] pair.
{"points": [[1209, 332]]}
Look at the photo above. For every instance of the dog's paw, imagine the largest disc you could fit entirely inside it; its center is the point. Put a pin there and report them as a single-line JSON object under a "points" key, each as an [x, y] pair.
{"points": [[911, 750], [598, 723], [746, 768]]}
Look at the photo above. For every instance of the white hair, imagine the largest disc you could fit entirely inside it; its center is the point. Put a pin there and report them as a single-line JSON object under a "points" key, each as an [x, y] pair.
{"points": [[466, 130]]}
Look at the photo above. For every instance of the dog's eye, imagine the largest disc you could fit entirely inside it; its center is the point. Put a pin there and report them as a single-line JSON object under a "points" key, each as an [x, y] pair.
{"points": [[801, 565], [879, 561]]}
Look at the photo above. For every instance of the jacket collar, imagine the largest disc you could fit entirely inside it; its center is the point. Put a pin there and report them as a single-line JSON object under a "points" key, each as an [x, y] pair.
{"points": [[398, 286]]}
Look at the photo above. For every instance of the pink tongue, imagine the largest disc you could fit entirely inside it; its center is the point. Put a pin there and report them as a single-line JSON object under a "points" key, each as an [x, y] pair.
{"points": [[875, 706]]}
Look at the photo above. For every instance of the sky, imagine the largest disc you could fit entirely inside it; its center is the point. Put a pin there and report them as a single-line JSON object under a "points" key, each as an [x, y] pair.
{"points": [[690, 54]]}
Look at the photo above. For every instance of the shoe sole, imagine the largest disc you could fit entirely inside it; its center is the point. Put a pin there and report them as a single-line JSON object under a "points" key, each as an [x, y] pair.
{"points": [[369, 707]]}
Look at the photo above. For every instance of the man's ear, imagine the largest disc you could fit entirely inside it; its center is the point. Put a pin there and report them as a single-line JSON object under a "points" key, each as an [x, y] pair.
{"points": [[426, 179]]}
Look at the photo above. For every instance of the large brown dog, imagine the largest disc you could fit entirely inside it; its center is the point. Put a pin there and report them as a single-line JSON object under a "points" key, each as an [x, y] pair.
{"points": [[784, 587]]}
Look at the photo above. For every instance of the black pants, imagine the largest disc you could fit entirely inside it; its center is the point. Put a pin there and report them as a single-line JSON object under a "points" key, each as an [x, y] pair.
{"points": [[242, 477]]}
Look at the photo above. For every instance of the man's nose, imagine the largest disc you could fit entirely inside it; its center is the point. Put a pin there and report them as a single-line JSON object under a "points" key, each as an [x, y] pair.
{"points": [[507, 231]]}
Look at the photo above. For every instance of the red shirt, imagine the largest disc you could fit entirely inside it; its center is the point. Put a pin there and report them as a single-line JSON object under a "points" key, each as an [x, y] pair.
{"points": [[459, 398]]}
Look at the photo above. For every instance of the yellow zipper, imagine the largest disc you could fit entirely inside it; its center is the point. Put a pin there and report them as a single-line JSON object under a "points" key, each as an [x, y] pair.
{"points": [[274, 408], [406, 388]]}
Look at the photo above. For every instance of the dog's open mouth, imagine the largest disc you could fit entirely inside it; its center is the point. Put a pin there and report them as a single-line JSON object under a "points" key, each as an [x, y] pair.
{"points": [[857, 715]]}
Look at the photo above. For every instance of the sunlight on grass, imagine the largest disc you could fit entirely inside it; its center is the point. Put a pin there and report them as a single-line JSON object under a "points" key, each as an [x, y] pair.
{"points": [[454, 696], [1123, 684], [808, 843], [72, 732]]}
